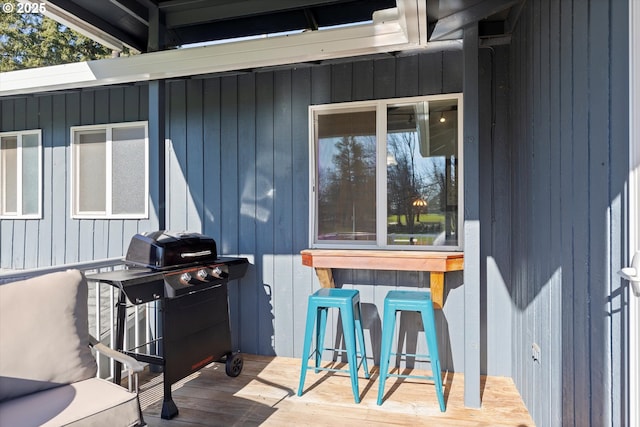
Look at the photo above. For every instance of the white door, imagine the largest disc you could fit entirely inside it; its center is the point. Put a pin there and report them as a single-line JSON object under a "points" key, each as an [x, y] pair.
{"points": [[634, 208]]}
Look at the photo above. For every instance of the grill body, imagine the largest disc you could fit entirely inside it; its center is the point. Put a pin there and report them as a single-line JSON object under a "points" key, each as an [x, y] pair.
{"points": [[193, 327]]}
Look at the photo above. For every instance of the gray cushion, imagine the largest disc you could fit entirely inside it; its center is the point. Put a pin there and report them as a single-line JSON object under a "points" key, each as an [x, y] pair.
{"points": [[73, 405], [44, 333]]}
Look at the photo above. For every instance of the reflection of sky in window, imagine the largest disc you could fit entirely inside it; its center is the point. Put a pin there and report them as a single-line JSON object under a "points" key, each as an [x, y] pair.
{"points": [[437, 161], [327, 149]]}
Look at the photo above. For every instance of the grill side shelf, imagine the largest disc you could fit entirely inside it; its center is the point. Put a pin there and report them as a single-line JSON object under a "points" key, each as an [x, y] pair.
{"points": [[140, 285]]}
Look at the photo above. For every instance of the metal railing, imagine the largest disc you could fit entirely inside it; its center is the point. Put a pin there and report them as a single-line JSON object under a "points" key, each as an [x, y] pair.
{"points": [[102, 308]]}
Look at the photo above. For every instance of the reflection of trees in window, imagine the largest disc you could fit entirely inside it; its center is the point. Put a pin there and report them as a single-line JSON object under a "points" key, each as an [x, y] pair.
{"points": [[405, 183], [412, 178], [347, 191]]}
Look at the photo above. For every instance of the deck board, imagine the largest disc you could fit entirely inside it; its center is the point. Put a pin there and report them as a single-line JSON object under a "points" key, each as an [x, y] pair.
{"points": [[265, 394]]}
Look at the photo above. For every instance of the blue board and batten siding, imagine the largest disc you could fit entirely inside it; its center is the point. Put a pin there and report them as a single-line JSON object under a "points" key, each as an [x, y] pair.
{"points": [[568, 75], [238, 170], [56, 238]]}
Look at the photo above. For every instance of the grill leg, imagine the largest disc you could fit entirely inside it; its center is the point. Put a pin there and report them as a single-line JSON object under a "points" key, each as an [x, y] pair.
{"points": [[169, 408], [120, 321]]}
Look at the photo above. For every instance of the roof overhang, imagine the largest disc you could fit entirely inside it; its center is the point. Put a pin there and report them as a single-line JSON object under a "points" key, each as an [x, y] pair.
{"points": [[411, 25], [398, 29]]}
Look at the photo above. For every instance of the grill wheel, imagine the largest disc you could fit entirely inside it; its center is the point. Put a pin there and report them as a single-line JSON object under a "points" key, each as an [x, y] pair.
{"points": [[233, 365]]}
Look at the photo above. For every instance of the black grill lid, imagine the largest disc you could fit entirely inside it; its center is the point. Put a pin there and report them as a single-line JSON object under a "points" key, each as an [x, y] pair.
{"points": [[164, 250]]}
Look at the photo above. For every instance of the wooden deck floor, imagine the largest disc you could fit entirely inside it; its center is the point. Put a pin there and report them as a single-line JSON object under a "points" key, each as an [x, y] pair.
{"points": [[265, 394]]}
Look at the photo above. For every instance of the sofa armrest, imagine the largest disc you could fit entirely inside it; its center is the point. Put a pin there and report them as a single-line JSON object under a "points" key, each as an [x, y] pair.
{"points": [[131, 365]]}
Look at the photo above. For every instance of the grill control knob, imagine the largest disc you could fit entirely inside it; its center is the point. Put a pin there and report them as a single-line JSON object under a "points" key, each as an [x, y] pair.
{"points": [[185, 278], [216, 272], [203, 274]]}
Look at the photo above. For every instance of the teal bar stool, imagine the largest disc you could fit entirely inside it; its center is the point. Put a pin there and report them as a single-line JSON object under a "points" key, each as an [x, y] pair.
{"points": [[348, 302], [409, 301]]}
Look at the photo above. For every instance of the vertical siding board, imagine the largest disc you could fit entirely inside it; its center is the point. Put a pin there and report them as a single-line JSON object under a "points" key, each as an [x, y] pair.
{"points": [[80, 246], [619, 156], [362, 80], [598, 344], [251, 292], [321, 84], [212, 179], [148, 97], [108, 232], [499, 362], [87, 117], [116, 105], [430, 76], [264, 191], [341, 82], [485, 185], [19, 228], [32, 227], [177, 191], [555, 227], [452, 71], [6, 226], [131, 113], [384, 78], [87, 108], [284, 176], [537, 208], [143, 112], [44, 237], [194, 165], [516, 135], [580, 207], [407, 80], [131, 110], [229, 164], [105, 113], [556, 303], [566, 180], [302, 285], [229, 189], [7, 116], [59, 159]]}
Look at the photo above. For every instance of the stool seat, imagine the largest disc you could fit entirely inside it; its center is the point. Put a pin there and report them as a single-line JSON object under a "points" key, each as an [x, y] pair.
{"points": [[347, 301], [418, 301]]}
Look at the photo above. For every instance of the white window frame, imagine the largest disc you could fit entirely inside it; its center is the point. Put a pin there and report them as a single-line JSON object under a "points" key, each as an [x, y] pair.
{"points": [[381, 172], [107, 214], [19, 214]]}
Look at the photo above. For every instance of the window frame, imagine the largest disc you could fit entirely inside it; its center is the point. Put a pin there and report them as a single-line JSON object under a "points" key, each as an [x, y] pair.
{"points": [[380, 107], [19, 190], [75, 171]]}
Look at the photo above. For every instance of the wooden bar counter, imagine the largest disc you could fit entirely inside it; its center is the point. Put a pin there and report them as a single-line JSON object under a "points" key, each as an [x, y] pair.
{"points": [[436, 263]]}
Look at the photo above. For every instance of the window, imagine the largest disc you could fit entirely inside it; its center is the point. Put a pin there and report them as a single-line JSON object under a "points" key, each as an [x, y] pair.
{"points": [[385, 174], [110, 171], [21, 174]]}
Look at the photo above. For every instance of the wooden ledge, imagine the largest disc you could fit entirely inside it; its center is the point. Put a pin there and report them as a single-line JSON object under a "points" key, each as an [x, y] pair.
{"points": [[437, 263]]}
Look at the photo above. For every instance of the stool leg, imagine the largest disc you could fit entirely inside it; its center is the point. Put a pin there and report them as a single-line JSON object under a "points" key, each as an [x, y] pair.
{"points": [[360, 333], [308, 335], [348, 328], [432, 342], [321, 325], [388, 330]]}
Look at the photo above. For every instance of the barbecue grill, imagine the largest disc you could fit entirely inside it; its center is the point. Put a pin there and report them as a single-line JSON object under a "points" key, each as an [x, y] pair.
{"points": [[182, 272]]}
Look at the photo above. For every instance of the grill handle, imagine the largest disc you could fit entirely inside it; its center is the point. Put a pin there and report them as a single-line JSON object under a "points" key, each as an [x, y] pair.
{"points": [[195, 254]]}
